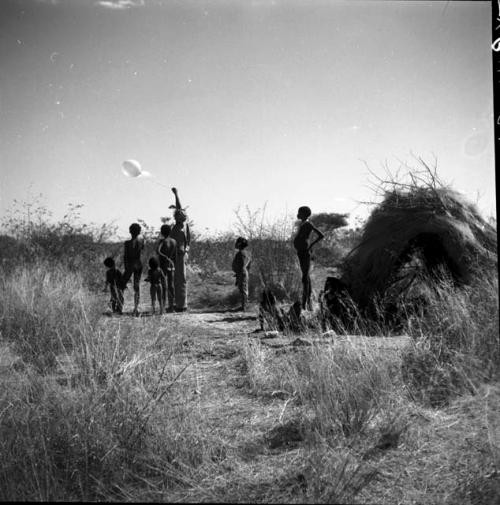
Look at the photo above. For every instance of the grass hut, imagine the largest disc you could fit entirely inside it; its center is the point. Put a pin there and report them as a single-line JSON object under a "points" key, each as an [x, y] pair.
{"points": [[434, 224]]}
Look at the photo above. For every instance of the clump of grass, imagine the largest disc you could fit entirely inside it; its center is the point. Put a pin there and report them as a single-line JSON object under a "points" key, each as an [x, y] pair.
{"points": [[343, 386], [456, 345], [266, 373], [45, 311], [334, 476]]}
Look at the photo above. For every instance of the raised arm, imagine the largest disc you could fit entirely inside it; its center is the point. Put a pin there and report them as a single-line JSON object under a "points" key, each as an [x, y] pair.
{"points": [[177, 201]]}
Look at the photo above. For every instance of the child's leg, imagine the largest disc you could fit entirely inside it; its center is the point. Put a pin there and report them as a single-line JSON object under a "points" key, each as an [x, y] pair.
{"points": [[114, 298], [244, 292], [126, 275], [170, 289], [152, 292], [305, 266], [163, 288], [137, 281], [119, 305], [160, 295]]}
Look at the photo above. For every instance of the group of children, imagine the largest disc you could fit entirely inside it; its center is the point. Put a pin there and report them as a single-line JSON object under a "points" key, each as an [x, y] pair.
{"points": [[167, 271]]}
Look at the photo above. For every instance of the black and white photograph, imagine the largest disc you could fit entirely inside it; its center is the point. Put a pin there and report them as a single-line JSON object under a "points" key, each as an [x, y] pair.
{"points": [[248, 251]]}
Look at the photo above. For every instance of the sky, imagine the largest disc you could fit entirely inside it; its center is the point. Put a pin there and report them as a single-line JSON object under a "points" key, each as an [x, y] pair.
{"points": [[239, 103]]}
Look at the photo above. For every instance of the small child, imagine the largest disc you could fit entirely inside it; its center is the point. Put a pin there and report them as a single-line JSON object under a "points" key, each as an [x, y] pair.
{"points": [[156, 278], [303, 248], [241, 265], [132, 261], [114, 280]]}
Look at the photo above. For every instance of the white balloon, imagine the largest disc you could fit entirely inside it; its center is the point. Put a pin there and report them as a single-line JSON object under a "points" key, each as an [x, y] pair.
{"points": [[131, 168]]}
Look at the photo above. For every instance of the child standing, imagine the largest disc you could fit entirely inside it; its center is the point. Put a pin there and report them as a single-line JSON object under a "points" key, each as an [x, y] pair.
{"points": [[132, 262], [114, 280], [303, 248], [240, 266], [180, 233], [167, 248], [155, 277]]}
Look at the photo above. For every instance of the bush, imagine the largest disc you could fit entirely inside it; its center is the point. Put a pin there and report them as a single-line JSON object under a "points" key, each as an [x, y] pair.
{"points": [[213, 255], [31, 237]]}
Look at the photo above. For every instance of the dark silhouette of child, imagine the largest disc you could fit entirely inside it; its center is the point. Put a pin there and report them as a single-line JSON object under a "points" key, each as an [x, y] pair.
{"points": [[167, 248], [303, 248], [132, 262], [156, 278], [182, 236], [114, 280], [241, 265]]}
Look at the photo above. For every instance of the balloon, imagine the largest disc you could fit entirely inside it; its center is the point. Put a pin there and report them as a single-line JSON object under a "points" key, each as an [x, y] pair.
{"points": [[131, 168]]}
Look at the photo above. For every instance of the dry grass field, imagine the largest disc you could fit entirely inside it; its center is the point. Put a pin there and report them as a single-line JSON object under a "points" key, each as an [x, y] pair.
{"points": [[203, 406]]}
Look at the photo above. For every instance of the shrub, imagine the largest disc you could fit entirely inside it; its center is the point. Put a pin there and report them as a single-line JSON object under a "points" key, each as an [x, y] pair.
{"points": [[213, 255], [79, 247]]}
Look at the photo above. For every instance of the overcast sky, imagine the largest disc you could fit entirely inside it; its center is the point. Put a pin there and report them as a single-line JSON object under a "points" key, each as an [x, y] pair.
{"points": [[239, 102]]}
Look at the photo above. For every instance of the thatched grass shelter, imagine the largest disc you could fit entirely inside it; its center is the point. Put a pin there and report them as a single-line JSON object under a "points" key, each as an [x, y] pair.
{"points": [[435, 223]]}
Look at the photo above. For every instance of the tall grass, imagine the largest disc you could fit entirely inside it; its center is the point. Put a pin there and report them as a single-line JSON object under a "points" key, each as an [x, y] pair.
{"points": [[45, 311], [344, 388], [93, 412], [456, 342]]}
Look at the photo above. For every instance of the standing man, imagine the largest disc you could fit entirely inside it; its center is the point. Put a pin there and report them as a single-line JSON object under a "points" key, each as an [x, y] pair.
{"points": [[180, 233]]}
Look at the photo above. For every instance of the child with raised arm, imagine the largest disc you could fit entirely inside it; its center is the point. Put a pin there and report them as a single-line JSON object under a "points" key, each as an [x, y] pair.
{"points": [[132, 261], [303, 248], [180, 233], [155, 276], [114, 280], [166, 250], [240, 266]]}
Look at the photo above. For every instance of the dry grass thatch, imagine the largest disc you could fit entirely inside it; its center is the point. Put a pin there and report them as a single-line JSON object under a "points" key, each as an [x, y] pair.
{"points": [[428, 226]]}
